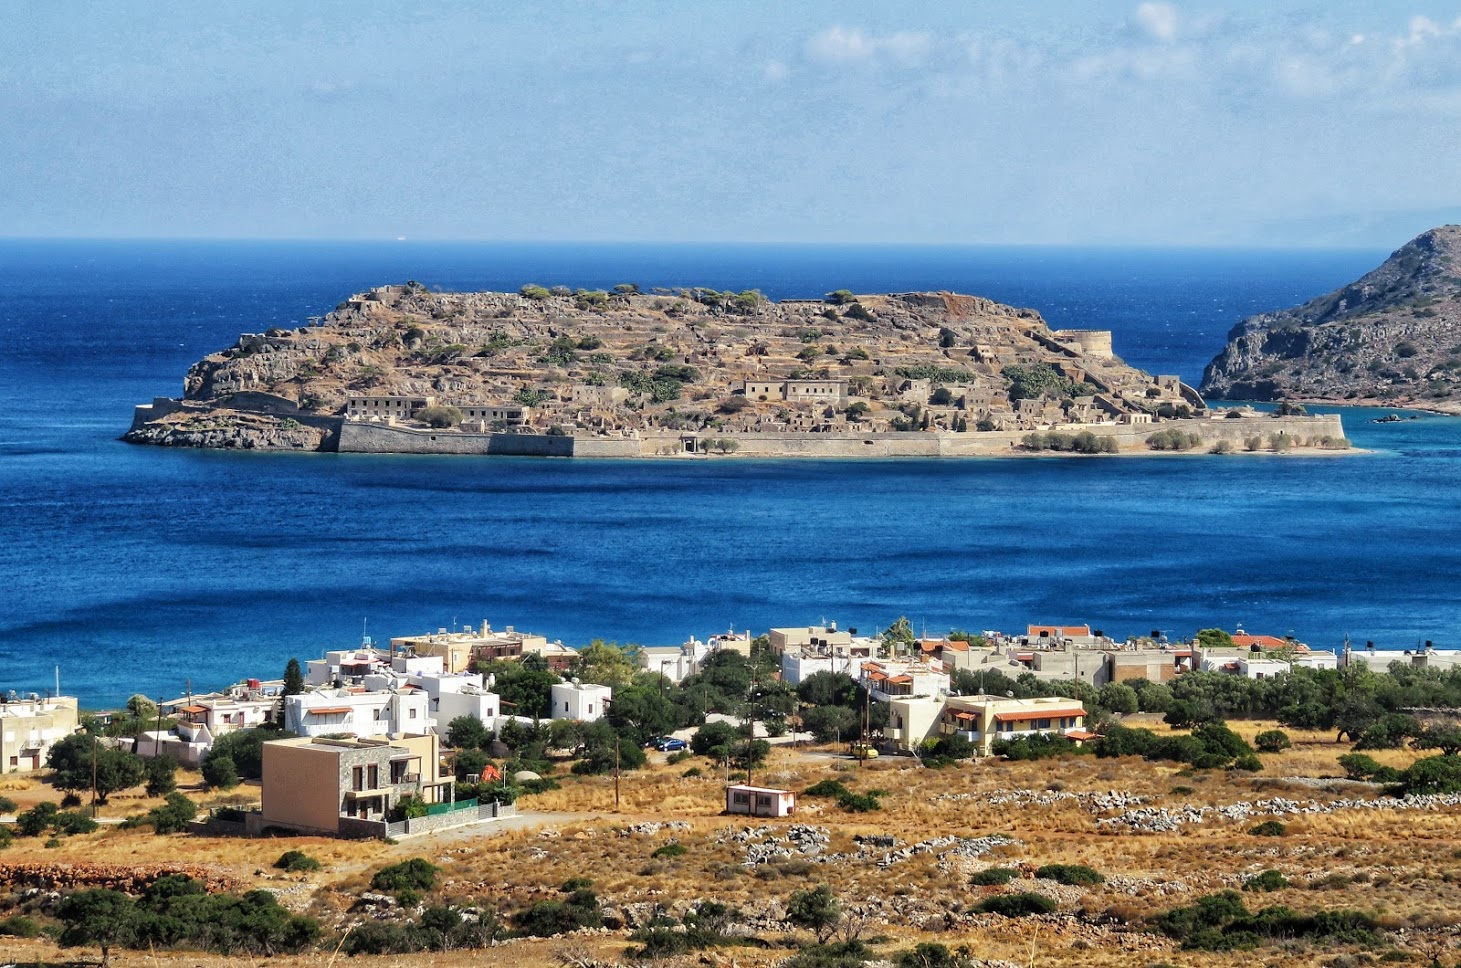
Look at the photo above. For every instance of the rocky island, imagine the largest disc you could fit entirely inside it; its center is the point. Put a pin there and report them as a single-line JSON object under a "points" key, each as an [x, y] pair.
{"points": [[625, 373], [1393, 338]]}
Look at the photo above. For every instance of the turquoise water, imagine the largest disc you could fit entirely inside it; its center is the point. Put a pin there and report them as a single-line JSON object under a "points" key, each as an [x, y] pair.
{"points": [[137, 568]]}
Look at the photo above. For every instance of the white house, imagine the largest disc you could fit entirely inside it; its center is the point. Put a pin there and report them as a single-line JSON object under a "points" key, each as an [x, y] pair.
{"points": [[328, 711], [797, 666], [759, 801], [1256, 667], [887, 678], [342, 666], [30, 727], [580, 701]]}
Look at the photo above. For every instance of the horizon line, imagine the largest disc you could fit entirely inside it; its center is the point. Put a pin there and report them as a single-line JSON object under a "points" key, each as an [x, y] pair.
{"points": [[707, 243]]}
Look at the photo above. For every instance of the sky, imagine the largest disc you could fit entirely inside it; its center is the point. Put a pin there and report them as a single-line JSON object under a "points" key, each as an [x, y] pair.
{"points": [[1078, 122]]}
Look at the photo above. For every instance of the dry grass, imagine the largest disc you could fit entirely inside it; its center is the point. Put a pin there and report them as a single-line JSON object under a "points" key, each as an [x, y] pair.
{"points": [[1404, 866]]}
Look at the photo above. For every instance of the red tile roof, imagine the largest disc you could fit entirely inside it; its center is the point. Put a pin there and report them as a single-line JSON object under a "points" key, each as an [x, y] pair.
{"points": [[1058, 630]]}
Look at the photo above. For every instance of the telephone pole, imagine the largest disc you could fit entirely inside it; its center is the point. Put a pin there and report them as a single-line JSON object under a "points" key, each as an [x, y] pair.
{"points": [[616, 773]]}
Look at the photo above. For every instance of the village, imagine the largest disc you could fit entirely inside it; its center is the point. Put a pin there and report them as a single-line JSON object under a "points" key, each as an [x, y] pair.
{"points": [[363, 731], [817, 789]]}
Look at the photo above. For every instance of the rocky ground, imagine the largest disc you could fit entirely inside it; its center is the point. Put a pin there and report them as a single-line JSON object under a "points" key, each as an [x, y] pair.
{"points": [[1392, 338]]}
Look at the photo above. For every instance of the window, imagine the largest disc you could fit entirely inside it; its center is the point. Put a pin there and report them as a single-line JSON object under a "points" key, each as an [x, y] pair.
{"points": [[357, 779], [741, 798], [763, 801], [413, 712], [374, 776], [1042, 724]]}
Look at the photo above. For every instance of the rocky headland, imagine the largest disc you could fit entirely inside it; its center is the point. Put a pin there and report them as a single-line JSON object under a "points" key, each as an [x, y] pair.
{"points": [[1391, 338], [694, 371]]}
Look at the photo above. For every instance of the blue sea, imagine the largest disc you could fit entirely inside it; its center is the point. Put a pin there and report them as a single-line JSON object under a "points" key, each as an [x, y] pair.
{"points": [[143, 569]]}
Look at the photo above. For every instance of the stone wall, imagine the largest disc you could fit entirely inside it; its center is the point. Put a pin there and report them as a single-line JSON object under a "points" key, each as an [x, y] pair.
{"points": [[379, 439]]}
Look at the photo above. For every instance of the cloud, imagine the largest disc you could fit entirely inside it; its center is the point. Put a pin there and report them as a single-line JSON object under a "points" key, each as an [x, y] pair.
{"points": [[1158, 20], [775, 71], [841, 45]]}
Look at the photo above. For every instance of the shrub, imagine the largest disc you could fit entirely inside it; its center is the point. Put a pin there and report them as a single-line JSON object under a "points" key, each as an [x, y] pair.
{"points": [[1173, 439], [220, 772], [1358, 766], [993, 877], [19, 926], [416, 874], [1269, 880], [1075, 875], [174, 816], [1017, 905], [1038, 747], [535, 292], [671, 850], [859, 802], [826, 788], [1272, 741], [1432, 774], [1269, 828], [1248, 763], [296, 861], [1220, 922]]}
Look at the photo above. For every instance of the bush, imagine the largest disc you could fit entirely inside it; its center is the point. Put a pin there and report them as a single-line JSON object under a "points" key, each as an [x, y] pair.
{"points": [[1272, 741], [859, 802], [19, 926], [1017, 905], [1220, 922], [1173, 439], [1358, 766], [1432, 774], [161, 776], [1075, 875], [1269, 880], [1248, 763], [220, 772], [671, 850], [174, 816], [439, 417], [993, 877], [416, 874], [1038, 747], [547, 918], [1269, 828], [296, 862]]}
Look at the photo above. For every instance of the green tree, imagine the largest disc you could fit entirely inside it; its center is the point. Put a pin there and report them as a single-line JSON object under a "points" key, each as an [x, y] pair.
{"points": [[246, 748], [829, 689], [606, 664], [527, 687], [100, 916], [830, 723], [1445, 737], [467, 732], [220, 772], [1214, 639], [817, 910], [80, 756], [293, 678], [161, 776], [898, 638], [715, 740], [640, 713], [1120, 698]]}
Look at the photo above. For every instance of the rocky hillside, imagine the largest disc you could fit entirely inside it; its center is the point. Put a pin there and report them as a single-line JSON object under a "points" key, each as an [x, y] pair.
{"points": [[623, 362], [1392, 337]]}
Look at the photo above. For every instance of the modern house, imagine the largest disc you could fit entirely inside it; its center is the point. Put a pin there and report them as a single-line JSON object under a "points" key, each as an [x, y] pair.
{"points": [[580, 701], [756, 801], [320, 786], [982, 719], [30, 727], [330, 712]]}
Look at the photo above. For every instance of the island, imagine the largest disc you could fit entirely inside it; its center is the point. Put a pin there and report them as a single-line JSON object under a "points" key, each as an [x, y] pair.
{"points": [[695, 373], [1391, 338]]}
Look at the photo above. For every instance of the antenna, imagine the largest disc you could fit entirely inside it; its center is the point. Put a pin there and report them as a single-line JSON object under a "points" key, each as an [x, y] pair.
{"points": [[58, 682]]}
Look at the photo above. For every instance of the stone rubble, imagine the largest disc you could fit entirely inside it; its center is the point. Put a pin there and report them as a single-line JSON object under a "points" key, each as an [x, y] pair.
{"points": [[1167, 819], [650, 827]]}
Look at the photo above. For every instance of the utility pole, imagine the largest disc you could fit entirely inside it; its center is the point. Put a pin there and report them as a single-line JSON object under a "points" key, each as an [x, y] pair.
{"points": [[157, 740], [616, 773], [93, 777]]}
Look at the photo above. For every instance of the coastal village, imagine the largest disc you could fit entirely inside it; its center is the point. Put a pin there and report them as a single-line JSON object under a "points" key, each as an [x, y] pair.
{"points": [[454, 741], [558, 372]]}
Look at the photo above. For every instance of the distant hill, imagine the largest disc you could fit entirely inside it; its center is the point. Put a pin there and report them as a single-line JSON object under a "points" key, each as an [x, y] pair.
{"points": [[1392, 337]]}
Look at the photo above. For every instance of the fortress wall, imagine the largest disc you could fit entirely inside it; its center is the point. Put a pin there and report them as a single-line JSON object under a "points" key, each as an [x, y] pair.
{"points": [[362, 438]]}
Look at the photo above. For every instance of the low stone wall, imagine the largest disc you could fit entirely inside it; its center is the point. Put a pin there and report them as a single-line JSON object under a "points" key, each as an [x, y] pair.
{"points": [[364, 438]]}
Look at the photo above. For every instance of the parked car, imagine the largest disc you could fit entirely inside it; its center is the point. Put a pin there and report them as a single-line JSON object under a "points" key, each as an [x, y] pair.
{"points": [[864, 751], [668, 744]]}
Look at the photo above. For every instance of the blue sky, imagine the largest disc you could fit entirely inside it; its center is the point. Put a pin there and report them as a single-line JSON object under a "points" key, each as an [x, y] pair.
{"points": [[1278, 123]]}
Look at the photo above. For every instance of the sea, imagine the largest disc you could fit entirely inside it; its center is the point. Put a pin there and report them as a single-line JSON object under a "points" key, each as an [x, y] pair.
{"points": [[127, 569]]}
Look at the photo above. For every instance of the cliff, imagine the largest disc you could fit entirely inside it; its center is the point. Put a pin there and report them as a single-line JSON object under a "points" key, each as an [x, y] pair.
{"points": [[1393, 337], [716, 367]]}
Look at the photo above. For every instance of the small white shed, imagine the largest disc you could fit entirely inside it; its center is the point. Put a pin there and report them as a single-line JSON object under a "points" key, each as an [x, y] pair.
{"points": [[759, 801]]}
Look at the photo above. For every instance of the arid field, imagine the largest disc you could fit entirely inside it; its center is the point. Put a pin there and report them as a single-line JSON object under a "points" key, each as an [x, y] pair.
{"points": [[1402, 866]]}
